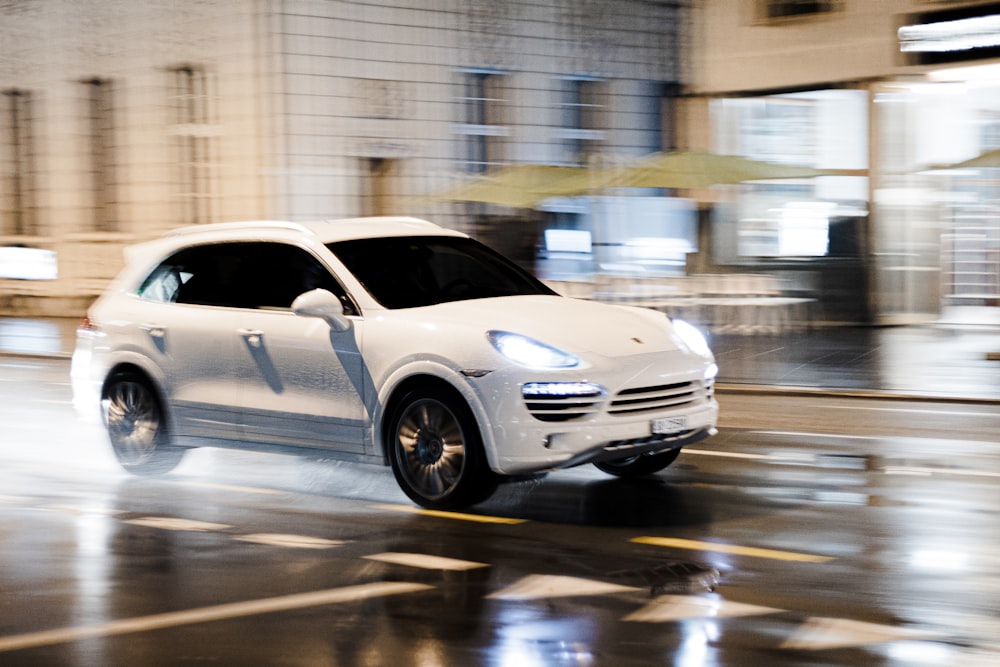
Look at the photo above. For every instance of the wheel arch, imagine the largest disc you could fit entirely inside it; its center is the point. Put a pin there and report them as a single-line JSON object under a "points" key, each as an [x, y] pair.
{"points": [[391, 404], [123, 367]]}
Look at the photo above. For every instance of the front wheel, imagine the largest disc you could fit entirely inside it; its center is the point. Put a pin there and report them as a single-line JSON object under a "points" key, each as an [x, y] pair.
{"points": [[436, 451], [136, 426], [637, 466]]}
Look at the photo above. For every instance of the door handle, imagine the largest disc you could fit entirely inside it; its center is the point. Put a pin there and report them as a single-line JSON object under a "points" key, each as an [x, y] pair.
{"points": [[251, 336], [154, 330]]}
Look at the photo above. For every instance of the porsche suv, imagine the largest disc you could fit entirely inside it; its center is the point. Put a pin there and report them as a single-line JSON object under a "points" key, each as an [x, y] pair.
{"points": [[385, 340]]}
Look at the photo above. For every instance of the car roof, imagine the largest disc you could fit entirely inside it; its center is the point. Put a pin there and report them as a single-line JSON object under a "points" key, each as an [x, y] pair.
{"points": [[323, 231]]}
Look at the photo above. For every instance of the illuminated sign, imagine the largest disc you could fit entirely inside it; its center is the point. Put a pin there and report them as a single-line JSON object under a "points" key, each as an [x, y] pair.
{"points": [[980, 32], [952, 35]]}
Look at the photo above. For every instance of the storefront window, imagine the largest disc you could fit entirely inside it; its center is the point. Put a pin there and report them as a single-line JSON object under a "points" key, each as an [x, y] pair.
{"points": [[799, 218], [937, 198]]}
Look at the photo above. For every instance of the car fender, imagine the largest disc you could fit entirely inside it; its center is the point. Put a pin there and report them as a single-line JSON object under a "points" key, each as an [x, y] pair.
{"points": [[440, 370]]}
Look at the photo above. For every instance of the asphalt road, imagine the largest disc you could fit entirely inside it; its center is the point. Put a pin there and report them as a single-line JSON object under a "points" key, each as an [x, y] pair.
{"points": [[811, 530]]}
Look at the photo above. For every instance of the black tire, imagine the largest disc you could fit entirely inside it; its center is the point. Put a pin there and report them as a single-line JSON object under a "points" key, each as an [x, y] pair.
{"points": [[136, 426], [436, 451], [637, 466]]}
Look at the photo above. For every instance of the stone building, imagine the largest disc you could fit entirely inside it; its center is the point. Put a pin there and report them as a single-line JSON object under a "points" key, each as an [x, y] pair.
{"points": [[120, 119]]}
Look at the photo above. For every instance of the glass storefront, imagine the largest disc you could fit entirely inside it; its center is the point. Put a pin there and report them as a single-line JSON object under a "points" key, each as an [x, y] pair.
{"points": [[937, 215], [811, 231], [924, 233]]}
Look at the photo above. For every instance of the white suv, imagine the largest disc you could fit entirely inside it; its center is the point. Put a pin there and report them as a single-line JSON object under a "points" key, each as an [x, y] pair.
{"points": [[388, 340]]}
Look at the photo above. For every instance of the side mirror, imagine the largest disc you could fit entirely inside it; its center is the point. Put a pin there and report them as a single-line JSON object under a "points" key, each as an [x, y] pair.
{"points": [[323, 304]]}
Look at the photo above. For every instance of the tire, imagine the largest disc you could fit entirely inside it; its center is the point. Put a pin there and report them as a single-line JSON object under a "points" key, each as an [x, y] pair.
{"points": [[136, 426], [637, 466], [436, 451]]}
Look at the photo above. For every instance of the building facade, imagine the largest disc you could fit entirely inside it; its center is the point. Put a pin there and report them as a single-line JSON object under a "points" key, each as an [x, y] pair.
{"points": [[122, 119], [906, 90]]}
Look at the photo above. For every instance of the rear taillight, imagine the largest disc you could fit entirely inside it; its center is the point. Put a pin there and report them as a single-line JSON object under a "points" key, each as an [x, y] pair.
{"points": [[87, 327]]}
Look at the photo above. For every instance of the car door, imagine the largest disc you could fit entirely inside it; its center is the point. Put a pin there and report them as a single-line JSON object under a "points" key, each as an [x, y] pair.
{"points": [[185, 317], [302, 383]]}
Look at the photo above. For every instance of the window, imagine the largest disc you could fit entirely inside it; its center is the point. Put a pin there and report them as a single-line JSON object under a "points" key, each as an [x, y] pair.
{"points": [[376, 186], [254, 275], [484, 126], [783, 9], [101, 153], [663, 115], [582, 119], [793, 217], [410, 272], [191, 98], [18, 164]]}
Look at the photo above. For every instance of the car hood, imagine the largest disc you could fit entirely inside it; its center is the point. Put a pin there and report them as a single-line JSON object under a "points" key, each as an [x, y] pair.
{"points": [[573, 325]]}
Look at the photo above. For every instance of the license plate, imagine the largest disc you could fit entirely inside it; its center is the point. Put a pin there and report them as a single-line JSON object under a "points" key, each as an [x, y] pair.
{"points": [[667, 425]]}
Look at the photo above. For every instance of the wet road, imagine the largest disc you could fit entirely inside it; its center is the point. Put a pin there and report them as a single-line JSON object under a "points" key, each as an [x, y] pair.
{"points": [[812, 530]]}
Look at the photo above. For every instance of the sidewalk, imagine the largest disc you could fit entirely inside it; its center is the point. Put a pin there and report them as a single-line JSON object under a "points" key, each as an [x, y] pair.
{"points": [[939, 361]]}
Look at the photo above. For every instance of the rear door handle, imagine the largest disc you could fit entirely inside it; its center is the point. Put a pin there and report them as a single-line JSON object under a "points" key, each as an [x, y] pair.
{"points": [[154, 330]]}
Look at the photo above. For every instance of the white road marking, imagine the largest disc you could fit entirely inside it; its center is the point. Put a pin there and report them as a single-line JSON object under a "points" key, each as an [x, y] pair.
{"points": [[668, 608], [927, 472], [734, 455], [539, 586], [807, 434], [73, 509], [293, 541], [425, 561], [171, 523], [826, 633], [209, 614], [811, 459]]}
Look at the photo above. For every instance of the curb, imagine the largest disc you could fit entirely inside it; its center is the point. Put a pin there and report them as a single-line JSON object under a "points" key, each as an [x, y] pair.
{"points": [[886, 395]]}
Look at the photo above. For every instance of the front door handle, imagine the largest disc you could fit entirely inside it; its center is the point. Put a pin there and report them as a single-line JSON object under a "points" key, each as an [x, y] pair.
{"points": [[253, 337]]}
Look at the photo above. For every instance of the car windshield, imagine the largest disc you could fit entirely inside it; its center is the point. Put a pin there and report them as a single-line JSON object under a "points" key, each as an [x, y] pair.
{"points": [[409, 272]]}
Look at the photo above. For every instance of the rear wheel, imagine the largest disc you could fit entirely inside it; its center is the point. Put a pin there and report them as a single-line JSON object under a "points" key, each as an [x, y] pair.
{"points": [[637, 466], [436, 451], [136, 426]]}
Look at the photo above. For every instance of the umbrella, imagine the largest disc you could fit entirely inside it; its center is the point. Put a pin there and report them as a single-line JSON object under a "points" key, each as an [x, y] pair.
{"points": [[695, 170], [987, 159], [524, 185], [517, 185]]}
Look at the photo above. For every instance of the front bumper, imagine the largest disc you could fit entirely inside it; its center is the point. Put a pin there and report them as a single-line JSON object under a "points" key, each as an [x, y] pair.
{"points": [[539, 447]]}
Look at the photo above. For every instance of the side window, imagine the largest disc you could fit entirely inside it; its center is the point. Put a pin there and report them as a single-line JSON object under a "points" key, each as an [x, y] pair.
{"points": [[202, 275], [240, 275], [277, 273]]}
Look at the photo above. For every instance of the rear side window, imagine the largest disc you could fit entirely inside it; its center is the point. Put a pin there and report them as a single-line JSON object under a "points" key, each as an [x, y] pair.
{"points": [[256, 275]]}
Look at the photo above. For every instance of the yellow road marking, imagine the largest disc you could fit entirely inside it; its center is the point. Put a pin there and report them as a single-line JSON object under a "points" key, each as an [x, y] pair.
{"points": [[228, 487], [679, 543], [478, 518]]}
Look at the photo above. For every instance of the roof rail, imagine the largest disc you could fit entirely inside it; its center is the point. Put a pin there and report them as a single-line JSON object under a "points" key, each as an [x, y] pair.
{"points": [[250, 224], [376, 219]]}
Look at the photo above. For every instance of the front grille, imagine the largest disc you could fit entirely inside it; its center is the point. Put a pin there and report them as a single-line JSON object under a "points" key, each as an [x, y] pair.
{"points": [[660, 397], [561, 408]]}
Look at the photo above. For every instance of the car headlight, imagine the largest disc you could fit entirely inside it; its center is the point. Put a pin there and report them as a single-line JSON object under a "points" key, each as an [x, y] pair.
{"points": [[529, 352], [692, 338]]}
